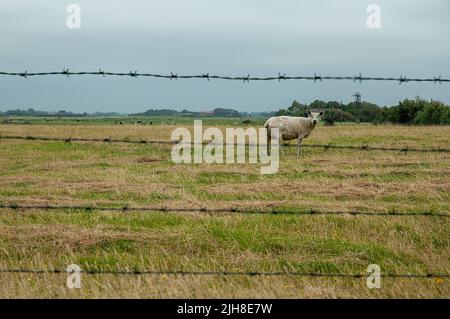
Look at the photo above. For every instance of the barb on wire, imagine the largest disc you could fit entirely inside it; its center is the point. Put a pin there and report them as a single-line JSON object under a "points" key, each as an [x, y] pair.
{"points": [[171, 76], [223, 273], [403, 79], [324, 146], [317, 77], [358, 78], [437, 80], [236, 210]]}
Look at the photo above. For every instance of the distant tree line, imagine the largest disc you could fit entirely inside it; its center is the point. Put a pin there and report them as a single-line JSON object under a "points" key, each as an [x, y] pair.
{"points": [[62, 113], [417, 111], [217, 112]]}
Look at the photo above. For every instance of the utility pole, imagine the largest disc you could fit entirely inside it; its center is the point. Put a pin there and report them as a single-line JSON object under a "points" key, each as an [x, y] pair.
{"points": [[357, 97]]}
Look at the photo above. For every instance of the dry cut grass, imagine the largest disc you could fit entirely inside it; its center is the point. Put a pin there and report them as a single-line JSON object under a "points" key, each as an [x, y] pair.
{"points": [[118, 174]]}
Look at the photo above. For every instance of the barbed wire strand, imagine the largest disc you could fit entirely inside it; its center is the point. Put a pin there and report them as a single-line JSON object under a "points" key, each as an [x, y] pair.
{"points": [[324, 146], [274, 211], [222, 273], [246, 78]]}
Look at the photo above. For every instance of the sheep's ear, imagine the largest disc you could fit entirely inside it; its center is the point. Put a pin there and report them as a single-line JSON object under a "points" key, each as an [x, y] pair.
{"points": [[321, 113], [309, 112]]}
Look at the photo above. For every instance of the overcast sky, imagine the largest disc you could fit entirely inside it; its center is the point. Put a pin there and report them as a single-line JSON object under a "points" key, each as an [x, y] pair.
{"points": [[226, 37]]}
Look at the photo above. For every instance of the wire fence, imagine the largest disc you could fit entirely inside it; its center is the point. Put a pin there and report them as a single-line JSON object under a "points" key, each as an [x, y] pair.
{"points": [[246, 78], [236, 210], [162, 142], [222, 273]]}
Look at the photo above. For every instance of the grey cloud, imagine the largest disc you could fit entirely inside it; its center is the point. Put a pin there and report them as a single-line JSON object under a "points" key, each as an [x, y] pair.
{"points": [[227, 37]]}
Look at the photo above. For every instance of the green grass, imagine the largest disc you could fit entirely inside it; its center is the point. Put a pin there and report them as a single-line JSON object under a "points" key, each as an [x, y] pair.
{"points": [[133, 174]]}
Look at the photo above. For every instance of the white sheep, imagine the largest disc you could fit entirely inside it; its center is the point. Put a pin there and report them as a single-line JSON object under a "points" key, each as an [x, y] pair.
{"points": [[293, 127]]}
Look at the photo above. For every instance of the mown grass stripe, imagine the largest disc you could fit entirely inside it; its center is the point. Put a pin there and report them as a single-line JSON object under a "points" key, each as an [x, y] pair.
{"points": [[220, 273], [309, 212], [403, 149]]}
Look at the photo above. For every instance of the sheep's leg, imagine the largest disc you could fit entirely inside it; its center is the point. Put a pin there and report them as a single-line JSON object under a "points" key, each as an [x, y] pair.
{"points": [[299, 145], [280, 142]]}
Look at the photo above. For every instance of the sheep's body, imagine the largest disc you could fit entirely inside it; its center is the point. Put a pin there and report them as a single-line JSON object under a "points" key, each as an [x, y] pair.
{"points": [[291, 128]]}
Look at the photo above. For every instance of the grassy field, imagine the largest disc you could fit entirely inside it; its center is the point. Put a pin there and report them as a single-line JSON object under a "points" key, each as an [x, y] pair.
{"points": [[122, 120], [33, 172]]}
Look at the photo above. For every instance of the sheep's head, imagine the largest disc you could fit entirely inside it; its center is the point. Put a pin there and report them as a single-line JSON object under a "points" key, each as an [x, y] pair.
{"points": [[314, 116]]}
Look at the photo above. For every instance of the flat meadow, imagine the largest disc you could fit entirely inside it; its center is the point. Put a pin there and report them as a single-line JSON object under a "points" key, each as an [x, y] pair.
{"points": [[138, 175]]}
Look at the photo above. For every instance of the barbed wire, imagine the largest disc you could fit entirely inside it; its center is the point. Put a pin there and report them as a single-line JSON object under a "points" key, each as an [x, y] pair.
{"points": [[245, 78], [281, 77], [237, 210], [142, 141], [217, 273], [221, 273]]}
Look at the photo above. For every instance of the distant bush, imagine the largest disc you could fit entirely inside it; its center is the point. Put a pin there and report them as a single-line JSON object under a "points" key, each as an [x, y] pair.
{"points": [[433, 113], [296, 109], [417, 111], [336, 115], [221, 112]]}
